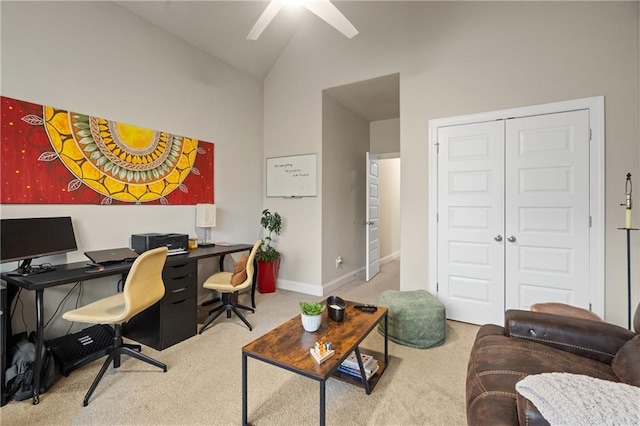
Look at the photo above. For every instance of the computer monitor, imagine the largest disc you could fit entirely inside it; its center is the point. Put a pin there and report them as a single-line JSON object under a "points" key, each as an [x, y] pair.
{"points": [[28, 238]]}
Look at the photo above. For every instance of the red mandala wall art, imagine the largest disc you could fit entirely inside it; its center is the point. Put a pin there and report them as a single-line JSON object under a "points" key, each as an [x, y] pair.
{"points": [[52, 156]]}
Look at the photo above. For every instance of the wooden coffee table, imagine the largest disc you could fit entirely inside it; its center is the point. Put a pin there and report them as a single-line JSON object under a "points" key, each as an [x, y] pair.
{"points": [[287, 346]]}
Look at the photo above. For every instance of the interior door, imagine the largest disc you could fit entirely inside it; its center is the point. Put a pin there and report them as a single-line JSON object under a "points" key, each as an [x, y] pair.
{"points": [[471, 221], [372, 219], [547, 210]]}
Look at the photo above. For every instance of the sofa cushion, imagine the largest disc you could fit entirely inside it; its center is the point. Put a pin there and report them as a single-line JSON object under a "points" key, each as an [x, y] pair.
{"points": [[625, 364]]}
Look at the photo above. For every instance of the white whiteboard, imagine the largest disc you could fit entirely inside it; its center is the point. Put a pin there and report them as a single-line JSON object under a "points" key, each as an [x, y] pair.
{"points": [[292, 176]]}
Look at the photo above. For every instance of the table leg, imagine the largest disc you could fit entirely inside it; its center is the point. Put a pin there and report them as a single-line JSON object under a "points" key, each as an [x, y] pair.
{"points": [[363, 374], [322, 402], [386, 338], [244, 389], [39, 337]]}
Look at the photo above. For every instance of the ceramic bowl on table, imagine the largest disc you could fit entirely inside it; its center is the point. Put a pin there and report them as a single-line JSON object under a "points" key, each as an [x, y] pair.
{"points": [[336, 307]]}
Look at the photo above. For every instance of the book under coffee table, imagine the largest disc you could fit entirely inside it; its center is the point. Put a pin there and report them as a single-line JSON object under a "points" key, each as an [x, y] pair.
{"points": [[287, 346]]}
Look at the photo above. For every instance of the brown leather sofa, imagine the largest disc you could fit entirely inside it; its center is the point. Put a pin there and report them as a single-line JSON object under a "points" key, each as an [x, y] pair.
{"points": [[537, 342]]}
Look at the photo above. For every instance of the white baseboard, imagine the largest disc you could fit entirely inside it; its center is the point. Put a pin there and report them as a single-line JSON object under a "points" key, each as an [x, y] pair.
{"points": [[330, 287], [323, 290], [300, 287], [390, 257]]}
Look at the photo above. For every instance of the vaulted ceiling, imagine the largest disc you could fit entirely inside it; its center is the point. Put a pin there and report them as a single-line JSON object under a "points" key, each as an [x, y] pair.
{"points": [[220, 28]]}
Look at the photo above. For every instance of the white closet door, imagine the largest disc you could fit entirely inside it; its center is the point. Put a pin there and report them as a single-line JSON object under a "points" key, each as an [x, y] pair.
{"points": [[471, 221], [547, 209]]}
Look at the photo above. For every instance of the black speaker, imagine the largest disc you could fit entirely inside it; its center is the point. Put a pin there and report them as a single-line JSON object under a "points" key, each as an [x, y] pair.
{"points": [[72, 351]]}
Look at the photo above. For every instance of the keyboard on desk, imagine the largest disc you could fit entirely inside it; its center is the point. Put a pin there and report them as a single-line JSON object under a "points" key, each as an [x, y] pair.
{"points": [[117, 262]]}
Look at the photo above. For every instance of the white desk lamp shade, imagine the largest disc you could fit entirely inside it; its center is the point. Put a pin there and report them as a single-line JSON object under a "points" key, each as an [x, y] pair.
{"points": [[205, 215], [206, 218]]}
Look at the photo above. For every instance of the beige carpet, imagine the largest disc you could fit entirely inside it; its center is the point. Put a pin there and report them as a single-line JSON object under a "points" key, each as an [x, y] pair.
{"points": [[203, 383]]}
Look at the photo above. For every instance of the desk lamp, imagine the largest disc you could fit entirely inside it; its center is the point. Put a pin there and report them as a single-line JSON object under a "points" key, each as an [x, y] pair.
{"points": [[206, 218]]}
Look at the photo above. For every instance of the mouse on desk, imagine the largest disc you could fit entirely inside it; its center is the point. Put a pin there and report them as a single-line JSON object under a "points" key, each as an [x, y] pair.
{"points": [[94, 267]]}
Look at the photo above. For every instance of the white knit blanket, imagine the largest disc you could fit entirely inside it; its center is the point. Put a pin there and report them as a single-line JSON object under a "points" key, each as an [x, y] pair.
{"points": [[573, 399]]}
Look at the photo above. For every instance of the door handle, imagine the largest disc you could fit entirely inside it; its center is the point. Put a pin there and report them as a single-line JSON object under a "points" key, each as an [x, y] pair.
{"points": [[498, 237], [511, 239]]}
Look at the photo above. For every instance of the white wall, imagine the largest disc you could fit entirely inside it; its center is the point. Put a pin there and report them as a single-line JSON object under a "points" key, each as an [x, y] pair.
{"points": [[458, 58], [385, 136], [389, 209], [345, 138], [97, 58]]}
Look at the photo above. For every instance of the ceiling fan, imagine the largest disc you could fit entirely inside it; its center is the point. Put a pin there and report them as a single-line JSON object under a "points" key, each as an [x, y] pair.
{"points": [[324, 9]]}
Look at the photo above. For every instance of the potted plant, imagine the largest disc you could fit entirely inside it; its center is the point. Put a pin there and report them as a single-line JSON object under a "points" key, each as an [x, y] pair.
{"points": [[311, 315], [267, 256]]}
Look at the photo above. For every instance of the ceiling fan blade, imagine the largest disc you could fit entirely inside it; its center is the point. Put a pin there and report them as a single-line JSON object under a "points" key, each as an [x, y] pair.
{"points": [[325, 10], [269, 13]]}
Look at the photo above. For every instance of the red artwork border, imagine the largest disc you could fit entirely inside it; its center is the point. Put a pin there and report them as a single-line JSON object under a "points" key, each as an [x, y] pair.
{"points": [[27, 179]]}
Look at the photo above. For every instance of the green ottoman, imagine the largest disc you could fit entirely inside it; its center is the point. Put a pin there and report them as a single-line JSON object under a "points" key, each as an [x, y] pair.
{"points": [[416, 318]]}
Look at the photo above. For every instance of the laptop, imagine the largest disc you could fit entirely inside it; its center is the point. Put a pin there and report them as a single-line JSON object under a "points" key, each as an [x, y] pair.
{"points": [[111, 256]]}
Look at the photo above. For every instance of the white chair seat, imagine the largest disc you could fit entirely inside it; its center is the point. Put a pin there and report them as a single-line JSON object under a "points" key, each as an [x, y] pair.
{"points": [[221, 281], [110, 310]]}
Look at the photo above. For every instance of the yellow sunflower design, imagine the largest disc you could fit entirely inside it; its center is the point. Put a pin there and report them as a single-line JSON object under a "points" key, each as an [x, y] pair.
{"points": [[120, 161]]}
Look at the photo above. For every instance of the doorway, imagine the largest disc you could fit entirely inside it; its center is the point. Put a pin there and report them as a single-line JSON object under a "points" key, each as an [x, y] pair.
{"points": [[382, 224], [356, 118]]}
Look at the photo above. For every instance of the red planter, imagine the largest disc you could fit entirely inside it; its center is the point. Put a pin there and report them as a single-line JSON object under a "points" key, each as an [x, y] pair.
{"points": [[267, 274]]}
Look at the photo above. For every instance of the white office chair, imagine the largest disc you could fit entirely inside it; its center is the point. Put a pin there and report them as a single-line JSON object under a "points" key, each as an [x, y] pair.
{"points": [[223, 283], [142, 289]]}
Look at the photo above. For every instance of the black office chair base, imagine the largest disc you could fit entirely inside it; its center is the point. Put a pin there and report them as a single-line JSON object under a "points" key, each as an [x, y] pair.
{"points": [[228, 306], [114, 355], [211, 302]]}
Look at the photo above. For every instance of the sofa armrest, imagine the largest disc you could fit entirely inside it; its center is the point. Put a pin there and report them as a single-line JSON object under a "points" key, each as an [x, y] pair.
{"points": [[490, 330], [528, 414], [591, 339]]}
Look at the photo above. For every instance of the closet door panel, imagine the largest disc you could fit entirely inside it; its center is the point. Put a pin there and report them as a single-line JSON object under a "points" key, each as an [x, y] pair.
{"points": [[471, 215], [547, 209]]}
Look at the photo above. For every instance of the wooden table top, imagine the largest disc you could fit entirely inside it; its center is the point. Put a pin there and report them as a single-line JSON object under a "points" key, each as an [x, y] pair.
{"points": [[288, 345]]}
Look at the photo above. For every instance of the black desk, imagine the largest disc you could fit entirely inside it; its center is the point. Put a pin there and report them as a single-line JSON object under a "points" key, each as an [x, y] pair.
{"points": [[74, 272]]}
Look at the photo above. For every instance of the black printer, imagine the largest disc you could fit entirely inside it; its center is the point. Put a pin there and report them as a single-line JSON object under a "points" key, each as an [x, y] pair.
{"points": [[176, 243]]}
